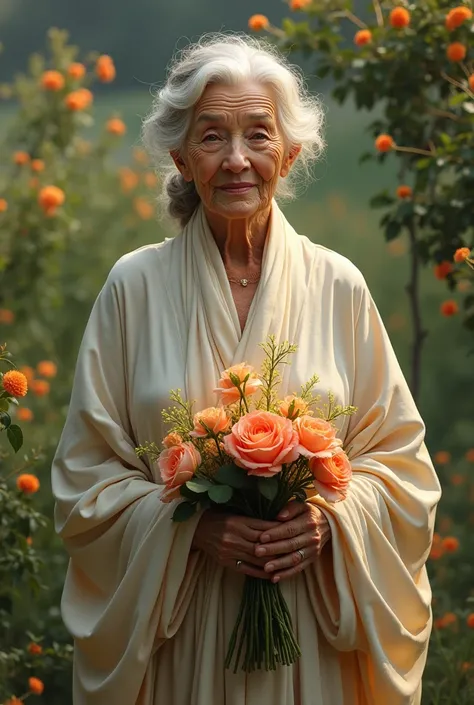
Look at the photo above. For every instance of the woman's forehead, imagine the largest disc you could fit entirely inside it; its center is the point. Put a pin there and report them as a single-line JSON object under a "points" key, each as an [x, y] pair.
{"points": [[254, 100]]}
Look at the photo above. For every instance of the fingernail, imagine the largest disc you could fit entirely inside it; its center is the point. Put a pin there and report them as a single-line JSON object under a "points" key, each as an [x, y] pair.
{"points": [[265, 537], [269, 567], [284, 514], [261, 551], [276, 579]]}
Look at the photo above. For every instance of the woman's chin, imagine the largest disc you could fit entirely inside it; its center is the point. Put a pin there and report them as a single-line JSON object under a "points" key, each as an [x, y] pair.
{"points": [[240, 208]]}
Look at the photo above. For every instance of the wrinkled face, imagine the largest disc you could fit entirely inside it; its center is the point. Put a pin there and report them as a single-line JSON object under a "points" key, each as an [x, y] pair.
{"points": [[235, 151]]}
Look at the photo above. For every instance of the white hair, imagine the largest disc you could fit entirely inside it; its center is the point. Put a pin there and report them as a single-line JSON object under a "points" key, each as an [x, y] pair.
{"points": [[228, 59]]}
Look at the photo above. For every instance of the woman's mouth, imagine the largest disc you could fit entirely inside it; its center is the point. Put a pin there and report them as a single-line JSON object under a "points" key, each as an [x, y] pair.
{"points": [[237, 189]]}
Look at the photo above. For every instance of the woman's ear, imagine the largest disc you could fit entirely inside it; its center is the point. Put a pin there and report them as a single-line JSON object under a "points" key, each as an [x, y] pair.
{"points": [[181, 166], [289, 160]]}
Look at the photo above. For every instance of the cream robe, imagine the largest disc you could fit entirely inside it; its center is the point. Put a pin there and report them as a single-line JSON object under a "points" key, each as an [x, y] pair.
{"points": [[150, 620]]}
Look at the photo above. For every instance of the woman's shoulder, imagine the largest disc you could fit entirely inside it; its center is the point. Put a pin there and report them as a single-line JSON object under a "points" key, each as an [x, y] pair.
{"points": [[143, 263], [334, 267]]}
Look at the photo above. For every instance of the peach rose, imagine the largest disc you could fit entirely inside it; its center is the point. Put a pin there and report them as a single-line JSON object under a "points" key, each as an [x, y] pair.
{"points": [[172, 439], [177, 465], [316, 437], [214, 418], [228, 391], [331, 475], [261, 442], [300, 407]]}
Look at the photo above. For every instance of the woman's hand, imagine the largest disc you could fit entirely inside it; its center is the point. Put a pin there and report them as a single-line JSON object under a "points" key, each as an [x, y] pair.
{"points": [[302, 527], [229, 539]]}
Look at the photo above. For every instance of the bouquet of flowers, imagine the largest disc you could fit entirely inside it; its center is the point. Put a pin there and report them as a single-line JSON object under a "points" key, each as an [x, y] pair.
{"points": [[252, 455]]}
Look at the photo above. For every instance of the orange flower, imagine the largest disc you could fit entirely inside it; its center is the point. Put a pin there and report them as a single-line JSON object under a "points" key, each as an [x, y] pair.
{"points": [[436, 552], [316, 437], [442, 457], [450, 544], [470, 620], [47, 368], [76, 70], [115, 126], [404, 192], [214, 418], [470, 81], [36, 686], [50, 197], [331, 475], [105, 69], [228, 390], [6, 316], [28, 372], [457, 16], [399, 17], [140, 155], [40, 387], [128, 179], [258, 22], [457, 479], [461, 254], [384, 143], [35, 649], [3, 205], [15, 383], [143, 208], [21, 158], [442, 270], [456, 51], [470, 455], [150, 179], [29, 484], [37, 165], [299, 4], [52, 81], [177, 466], [29, 541], [449, 308], [24, 414], [298, 407], [446, 620], [79, 100], [362, 37], [172, 439], [14, 701], [466, 666]]}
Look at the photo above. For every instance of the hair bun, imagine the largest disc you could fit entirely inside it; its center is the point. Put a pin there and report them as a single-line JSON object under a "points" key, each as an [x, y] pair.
{"points": [[183, 198]]}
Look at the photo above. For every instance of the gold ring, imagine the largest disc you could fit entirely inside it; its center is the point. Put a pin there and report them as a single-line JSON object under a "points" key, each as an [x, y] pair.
{"points": [[301, 552], [238, 563]]}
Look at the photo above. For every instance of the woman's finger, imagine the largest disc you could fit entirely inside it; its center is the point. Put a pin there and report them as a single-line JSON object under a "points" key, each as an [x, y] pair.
{"points": [[292, 510], [290, 560], [281, 548], [304, 522], [290, 572], [249, 569]]}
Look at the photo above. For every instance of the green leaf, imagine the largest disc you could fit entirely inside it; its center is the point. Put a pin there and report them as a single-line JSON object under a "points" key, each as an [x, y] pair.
{"points": [[233, 476], [5, 419], [4, 405], [458, 99], [199, 485], [220, 494], [184, 511], [268, 486], [15, 436], [381, 200], [392, 230]]}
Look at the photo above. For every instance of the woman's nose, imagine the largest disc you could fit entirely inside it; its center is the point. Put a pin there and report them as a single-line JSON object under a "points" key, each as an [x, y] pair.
{"points": [[236, 159]]}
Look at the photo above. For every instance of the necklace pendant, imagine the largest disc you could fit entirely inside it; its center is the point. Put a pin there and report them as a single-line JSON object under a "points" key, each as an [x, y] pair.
{"points": [[244, 282]]}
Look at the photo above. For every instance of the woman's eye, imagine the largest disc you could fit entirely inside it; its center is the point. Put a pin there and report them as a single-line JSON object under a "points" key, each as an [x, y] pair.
{"points": [[259, 136], [211, 138]]}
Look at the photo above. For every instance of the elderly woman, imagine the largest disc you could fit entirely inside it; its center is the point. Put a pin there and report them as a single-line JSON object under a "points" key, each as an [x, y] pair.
{"points": [[151, 603]]}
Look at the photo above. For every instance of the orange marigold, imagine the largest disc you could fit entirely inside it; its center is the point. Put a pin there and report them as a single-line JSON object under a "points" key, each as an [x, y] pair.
{"points": [[15, 383], [384, 143], [470, 455], [436, 552], [470, 620], [442, 270], [24, 414], [76, 70], [35, 649], [115, 126], [50, 197], [29, 484], [29, 541], [40, 387], [404, 191], [450, 544], [140, 155], [150, 179], [47, 368], [399, 17], [258, 23], [470, 81], [52, 81], [21, 158], [128, 179], [37, 165], [457, 479], [79, 100], [3, 205], [299, 4], [362, 37], [456, 51], [442, 457], [449, 308], [14, 701], [143, 208], [35, 685], [457, 16], [446, 620], [105, 69], [6, 316], [461, 254]]}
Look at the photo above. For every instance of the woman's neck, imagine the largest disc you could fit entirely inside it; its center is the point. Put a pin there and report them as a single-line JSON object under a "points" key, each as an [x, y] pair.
{"points": [[241, 241]]}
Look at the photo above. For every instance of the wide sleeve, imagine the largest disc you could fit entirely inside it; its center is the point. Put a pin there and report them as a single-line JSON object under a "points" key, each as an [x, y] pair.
{"points": [[370, 589], [131, 574]]}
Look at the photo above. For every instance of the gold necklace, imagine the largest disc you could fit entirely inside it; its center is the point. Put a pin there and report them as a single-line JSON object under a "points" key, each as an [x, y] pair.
{"points": [[243, 282]]}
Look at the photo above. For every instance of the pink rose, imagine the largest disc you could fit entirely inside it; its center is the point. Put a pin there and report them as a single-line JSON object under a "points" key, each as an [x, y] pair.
{"points": [[215, 419], [316, 437], [331, 475], [177, 465], [228, 391], [261, 442]]}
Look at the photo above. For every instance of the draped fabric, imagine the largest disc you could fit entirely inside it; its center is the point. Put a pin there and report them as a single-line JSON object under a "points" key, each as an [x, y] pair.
{"points": [[150, 618]]}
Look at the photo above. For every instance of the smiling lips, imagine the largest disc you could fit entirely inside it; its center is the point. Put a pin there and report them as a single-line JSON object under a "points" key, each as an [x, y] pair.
{"points": [[237, 188]]}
